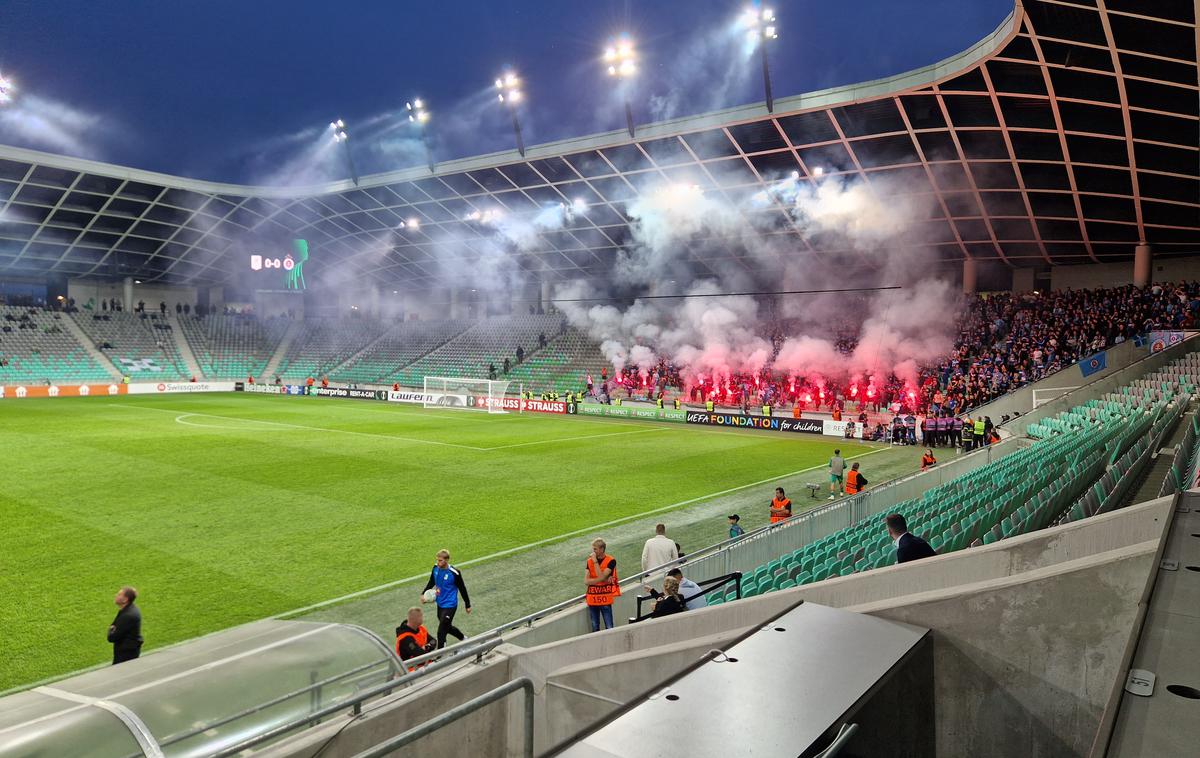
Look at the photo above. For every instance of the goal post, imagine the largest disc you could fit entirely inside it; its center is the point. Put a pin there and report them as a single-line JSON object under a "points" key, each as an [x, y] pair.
{"points": [[476, 394]]}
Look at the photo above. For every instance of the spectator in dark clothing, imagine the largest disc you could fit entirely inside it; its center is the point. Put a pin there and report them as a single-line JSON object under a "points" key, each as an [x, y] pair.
{"points": [[162, 307], [541, 339], [507, 365], [125, 633], [909, 547], [520, 353], [412, 638], [671, 601], [178, 308]]}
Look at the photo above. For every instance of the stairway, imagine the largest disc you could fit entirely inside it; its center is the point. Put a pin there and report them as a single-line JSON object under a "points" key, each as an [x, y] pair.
{"points": [[386, 332], [289, 337], [185, 350], [98, 355]]}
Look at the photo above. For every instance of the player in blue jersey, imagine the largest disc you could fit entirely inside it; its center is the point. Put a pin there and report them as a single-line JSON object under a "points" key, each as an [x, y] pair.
{"points": [[448, 583]]}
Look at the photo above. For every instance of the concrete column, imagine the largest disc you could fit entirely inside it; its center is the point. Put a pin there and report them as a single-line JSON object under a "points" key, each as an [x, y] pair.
{"points": [[373, 301], [128, 293], [969, 275], [1143, 257]]}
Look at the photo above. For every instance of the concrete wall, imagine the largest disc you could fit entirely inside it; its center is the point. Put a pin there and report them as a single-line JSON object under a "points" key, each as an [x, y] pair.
{"points": [[85, 289], [1115, 274], [1024, 666]]}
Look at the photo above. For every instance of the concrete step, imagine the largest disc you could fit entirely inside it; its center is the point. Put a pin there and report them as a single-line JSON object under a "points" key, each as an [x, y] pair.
{"points": [[281, 350], [98, 355], [185, 350]]}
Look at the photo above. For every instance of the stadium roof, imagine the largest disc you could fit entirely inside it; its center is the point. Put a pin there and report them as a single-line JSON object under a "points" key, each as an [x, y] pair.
{"points": [[1068, 135]]}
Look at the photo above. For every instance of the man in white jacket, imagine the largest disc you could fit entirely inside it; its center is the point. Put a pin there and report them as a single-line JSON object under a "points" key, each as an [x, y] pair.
{"points": [[659, 549]]}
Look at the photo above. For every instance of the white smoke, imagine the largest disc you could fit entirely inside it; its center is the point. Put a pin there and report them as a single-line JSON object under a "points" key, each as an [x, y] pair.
{"points": [[711, 336]]}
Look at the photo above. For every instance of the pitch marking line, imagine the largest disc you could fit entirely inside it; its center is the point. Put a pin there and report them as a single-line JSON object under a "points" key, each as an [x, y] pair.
{"points": [[301, 426], [475, 416], [181, 418], [558, 538]]}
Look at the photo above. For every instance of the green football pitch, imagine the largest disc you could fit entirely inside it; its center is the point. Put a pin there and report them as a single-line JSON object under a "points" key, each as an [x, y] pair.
{"points": [[223, 509]]}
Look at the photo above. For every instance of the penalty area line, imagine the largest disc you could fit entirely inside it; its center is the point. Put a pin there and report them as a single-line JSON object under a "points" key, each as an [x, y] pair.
{"points": [[301, 426], [560, 537]]}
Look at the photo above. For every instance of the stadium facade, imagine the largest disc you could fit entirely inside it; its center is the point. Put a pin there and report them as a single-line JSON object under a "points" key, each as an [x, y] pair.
{"points": [[1067, 136]]}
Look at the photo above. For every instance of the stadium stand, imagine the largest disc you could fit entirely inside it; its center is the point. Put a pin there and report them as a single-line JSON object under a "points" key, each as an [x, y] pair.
{"points": [[232, 346], [488, 342], [1080, 464], [324, 344], [400, 346], [564, 363], [34, 347], [136, 343]]}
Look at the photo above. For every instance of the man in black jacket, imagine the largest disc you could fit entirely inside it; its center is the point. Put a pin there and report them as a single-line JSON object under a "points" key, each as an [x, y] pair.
{"points": [[412, 638], [125, 634], [909, 547]]}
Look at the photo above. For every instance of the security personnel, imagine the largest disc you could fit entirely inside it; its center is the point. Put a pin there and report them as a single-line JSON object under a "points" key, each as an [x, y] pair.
{"points": [[708, 405], [766, 409], [616, 400], [659, 402], [781, 507], [854, 480], [968, 433], [603, 586], [980, 428], [796, 409], [412, 638], [677, 404]]}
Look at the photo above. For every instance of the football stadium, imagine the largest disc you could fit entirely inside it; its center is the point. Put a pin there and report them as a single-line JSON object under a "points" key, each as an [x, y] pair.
{"points": [[670, 414]]}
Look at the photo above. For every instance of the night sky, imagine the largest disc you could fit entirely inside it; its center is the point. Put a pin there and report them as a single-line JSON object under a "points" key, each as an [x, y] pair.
{"points": [[244, 90]]}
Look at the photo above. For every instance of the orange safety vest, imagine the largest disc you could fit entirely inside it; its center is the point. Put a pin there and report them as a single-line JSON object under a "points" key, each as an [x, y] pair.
{"points": [[796, 411], [837, 414], [785, 504], [422, 639], [308, 382], [852, 485], [602, 594], [927, 461]]}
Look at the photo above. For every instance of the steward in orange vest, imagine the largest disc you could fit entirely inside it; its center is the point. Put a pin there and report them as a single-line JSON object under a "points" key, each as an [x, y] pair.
{"points": [[412, 638], [602, 593], [927, 460], [854, 481], [781, 507], [603, 586]]}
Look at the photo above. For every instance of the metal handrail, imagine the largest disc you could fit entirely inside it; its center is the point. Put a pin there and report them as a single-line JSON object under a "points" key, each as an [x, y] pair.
{"points": [[843, 736], [429, 727], [172, 739], [712, 584], [355, 703]]}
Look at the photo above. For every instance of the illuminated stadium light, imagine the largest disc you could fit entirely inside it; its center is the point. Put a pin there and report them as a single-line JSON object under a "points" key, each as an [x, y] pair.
{"points": [[416, 111], [579, 205], [339, 130], [509, 86], [6, 90], [761, 28], [413, 224], [620, 60], [818, 171]]}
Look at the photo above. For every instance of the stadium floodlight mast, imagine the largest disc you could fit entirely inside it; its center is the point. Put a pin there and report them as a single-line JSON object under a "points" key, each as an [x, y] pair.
{"points": [[761, 29], [509, 86], [419, 115], [6, 90], [341, 135], [621, 62]]}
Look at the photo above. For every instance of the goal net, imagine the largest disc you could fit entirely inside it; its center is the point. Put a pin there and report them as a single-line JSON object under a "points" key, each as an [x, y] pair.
{"points": [[478, 394]]}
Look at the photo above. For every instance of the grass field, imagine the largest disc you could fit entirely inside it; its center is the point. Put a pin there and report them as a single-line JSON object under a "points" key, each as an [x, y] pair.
{"points": [[223, 509]]}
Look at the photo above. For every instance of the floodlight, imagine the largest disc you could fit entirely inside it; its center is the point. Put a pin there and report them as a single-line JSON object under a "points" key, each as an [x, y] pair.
{"points": [[413, 224], [510, 94], [761, 28], [6, 90], [818, 171]]}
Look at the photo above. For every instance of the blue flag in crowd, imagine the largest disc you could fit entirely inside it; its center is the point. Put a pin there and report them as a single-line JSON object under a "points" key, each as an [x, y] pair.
{"points": [[1094, 363]]}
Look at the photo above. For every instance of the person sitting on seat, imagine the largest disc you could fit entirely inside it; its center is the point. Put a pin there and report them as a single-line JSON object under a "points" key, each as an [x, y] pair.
{"points": [[909, 547], [671, 601]]}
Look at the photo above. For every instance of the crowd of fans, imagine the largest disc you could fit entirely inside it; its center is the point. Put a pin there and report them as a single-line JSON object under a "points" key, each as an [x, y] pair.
{"points": [[1003, 342]]}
